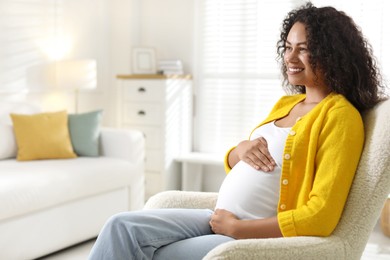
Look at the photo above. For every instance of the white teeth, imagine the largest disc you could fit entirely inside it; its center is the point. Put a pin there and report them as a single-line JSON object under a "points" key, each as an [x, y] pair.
{"points": [[295, 69]]}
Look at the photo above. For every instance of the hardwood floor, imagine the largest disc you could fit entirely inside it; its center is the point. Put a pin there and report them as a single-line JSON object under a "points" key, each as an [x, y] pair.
{"points": [[77, 252]]}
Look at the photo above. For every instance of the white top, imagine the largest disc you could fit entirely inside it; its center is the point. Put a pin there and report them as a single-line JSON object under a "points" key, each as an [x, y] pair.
{"points": [[252, 194]]}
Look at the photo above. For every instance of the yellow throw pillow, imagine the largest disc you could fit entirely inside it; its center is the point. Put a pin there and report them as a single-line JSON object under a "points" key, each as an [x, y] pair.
{"points": [[42, 136]]}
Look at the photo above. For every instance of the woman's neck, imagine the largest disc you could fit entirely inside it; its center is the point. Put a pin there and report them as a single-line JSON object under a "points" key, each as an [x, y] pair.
{"points": [[315, 95]]}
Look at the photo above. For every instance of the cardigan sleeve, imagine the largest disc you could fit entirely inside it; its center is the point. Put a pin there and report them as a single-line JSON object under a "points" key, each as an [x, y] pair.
{"points": [[226, 160], [339, 147]]}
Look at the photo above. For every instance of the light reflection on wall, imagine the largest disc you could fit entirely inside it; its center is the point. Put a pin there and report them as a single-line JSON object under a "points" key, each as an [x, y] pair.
{"points": [[177, 125], [30, 36]]}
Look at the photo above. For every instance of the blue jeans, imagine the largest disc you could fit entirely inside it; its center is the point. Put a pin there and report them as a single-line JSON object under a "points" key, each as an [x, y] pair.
{"points": [[157, 234]]}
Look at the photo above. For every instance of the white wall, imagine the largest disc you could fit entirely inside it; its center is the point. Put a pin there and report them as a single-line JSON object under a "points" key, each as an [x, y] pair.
{"points": [[168, 26], [86, 23], [107, 30]]}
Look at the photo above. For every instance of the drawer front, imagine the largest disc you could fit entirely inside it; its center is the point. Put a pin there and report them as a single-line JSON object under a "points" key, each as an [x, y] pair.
{"points": [[143, 90], [152, 136], [153, 160], [142, 113]]}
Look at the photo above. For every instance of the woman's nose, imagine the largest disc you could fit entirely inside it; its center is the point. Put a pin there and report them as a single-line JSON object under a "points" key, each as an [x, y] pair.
{"points": [[291, 57]]}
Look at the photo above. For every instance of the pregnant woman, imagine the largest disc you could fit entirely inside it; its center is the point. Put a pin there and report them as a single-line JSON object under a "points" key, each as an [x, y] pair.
{"points": [[293, 175]]}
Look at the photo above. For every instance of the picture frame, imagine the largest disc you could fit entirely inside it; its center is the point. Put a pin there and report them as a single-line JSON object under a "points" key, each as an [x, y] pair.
{"points": [[144, 60]]}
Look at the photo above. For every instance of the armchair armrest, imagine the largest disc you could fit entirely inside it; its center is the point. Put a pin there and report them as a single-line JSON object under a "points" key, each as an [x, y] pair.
{"points": [[273, 248], [122, 143], [303, 248], [182, 199]]}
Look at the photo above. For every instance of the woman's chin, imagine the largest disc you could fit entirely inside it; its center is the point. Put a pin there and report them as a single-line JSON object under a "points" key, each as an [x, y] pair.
{"points": [[295, 82]]}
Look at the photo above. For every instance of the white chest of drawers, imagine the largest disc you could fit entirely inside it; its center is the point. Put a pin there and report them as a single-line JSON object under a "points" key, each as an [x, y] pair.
{"points": [[160, 107]]}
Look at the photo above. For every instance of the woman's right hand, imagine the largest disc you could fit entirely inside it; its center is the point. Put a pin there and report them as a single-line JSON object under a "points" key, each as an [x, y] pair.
{"points": [[255, 153]]}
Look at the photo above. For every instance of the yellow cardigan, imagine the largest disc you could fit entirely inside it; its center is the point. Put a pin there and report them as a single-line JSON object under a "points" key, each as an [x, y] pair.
{"points": [[320, 158]]}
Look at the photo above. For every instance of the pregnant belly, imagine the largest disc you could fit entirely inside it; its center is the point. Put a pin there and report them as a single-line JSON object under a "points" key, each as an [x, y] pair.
{"points": [[249, 193]]}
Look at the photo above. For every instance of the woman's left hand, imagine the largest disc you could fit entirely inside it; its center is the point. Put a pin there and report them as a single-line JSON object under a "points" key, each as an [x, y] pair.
{"points": [[223, 222]]}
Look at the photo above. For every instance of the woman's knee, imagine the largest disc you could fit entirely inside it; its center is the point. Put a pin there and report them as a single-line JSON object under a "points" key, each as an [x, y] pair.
{"points": [[119, 222]]}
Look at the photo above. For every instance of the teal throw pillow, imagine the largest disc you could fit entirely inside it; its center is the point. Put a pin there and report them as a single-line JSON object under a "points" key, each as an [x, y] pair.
{"points": [[85, 132]]}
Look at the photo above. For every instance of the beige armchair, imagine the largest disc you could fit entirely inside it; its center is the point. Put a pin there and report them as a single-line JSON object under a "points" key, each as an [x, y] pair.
{"points": [[369, 191]]}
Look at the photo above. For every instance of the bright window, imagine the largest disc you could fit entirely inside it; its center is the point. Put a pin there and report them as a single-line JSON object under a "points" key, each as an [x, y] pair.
{"points": [[373, 18], [237, 75]]}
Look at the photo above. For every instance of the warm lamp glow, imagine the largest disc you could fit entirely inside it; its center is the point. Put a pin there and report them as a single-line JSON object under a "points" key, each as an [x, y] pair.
{"points": [[76, 75], [56, 48]]}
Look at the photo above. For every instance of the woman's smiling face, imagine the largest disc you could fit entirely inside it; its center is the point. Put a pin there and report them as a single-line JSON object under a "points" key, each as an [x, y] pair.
{"points": [[297, 58]]}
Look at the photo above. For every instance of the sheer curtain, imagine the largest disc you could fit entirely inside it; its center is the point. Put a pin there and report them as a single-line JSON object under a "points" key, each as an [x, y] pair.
{"points": [[237, 75]]}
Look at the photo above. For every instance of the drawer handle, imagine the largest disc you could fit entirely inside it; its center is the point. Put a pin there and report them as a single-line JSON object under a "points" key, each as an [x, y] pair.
{"points": [[141, 113], [141, 90]]}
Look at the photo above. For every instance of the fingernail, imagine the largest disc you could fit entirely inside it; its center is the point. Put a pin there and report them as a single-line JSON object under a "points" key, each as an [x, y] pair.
{"points": [[265, 169]]}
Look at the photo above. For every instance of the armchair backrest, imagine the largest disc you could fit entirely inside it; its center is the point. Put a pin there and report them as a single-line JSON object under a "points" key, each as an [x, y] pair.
{"points": [[371, 185]]}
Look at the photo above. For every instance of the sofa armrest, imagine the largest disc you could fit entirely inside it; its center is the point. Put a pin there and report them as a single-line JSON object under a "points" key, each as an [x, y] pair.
{"points": [[122, 143], [182, 199]]}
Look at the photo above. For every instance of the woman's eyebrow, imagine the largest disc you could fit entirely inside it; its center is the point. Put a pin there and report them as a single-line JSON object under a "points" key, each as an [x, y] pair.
{"points": [[299, 43]]}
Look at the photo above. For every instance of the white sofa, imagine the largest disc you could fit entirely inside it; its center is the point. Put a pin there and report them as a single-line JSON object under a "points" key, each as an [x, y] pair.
{"points": [[47, 205]]}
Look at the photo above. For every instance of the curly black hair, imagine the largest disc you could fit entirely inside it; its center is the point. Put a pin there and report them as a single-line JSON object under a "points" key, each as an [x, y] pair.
{"points": [[338, 48]]}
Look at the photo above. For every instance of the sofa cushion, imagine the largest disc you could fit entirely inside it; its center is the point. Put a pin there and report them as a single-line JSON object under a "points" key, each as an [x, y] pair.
{"points": [[42, 136], [31, 186], [8, 146], [84, 132]]}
